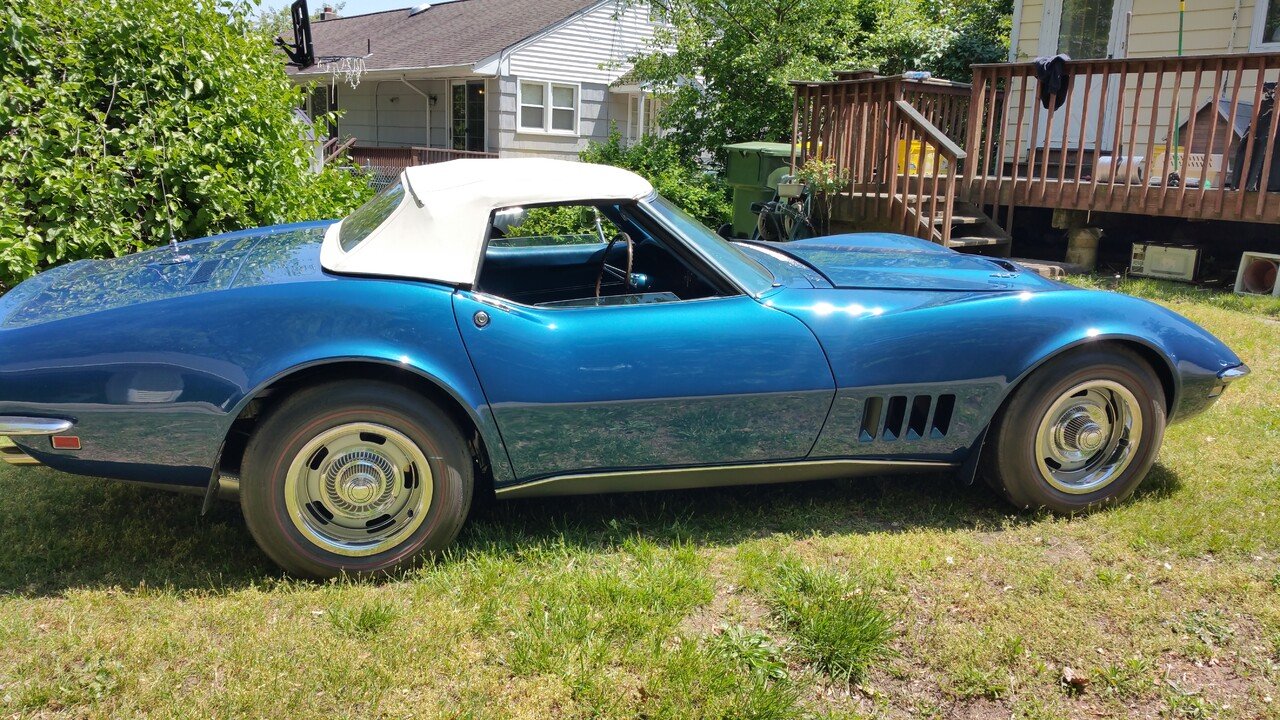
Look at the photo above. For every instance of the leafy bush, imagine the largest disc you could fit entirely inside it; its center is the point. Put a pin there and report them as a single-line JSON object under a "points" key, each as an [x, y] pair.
{"points": [[123, 122], [567, 221], [674, 174]]}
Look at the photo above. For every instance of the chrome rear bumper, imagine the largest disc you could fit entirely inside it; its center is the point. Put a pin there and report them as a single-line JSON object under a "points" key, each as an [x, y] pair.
{"points": [[26, 426], [14, 425]]}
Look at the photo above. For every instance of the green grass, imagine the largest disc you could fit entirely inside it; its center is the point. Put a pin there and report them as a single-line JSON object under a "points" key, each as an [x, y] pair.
{"points": [[891, 597]]}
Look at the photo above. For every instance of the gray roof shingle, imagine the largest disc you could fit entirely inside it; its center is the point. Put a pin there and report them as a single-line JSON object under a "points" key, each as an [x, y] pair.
{"points": [[461, 32]]}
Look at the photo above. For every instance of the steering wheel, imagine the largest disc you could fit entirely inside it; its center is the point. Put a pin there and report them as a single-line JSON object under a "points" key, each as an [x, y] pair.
{"points": [[624, 276]]}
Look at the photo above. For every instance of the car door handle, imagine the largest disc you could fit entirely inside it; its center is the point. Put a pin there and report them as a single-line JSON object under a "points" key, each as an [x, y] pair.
{"points": [[481, 318]]}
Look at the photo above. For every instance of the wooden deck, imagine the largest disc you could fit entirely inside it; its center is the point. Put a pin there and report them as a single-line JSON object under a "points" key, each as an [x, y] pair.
{"points": [[1191, 137], [399, 158]]}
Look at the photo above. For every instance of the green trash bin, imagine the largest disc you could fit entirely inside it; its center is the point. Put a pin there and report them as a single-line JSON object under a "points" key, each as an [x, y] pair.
{"points": [[747, 169]]}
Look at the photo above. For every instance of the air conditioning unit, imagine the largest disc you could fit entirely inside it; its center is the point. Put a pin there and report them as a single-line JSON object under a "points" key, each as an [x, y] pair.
{"points": [[1257, 274], [1167, 262]]}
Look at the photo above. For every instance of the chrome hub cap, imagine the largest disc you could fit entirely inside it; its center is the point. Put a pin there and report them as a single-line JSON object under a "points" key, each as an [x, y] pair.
{"points": [[1088, 437], [358, 489]]}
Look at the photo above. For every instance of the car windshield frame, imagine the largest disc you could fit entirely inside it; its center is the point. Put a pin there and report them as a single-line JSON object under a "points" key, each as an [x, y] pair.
{"points": [[745, 271]]}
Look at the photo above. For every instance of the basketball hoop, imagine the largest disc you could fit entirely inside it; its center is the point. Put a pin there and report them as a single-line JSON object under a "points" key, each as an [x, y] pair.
{"points": [[344, 68]]}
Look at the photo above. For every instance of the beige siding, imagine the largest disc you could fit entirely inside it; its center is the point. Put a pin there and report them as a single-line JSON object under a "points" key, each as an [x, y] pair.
{"points": [[1029, 29], [1208, 29], [1154, 29], [388, 113]]}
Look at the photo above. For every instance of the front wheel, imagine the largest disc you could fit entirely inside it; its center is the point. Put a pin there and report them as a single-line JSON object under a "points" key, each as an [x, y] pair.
{"points": [[1081, 432], [355, 477]]}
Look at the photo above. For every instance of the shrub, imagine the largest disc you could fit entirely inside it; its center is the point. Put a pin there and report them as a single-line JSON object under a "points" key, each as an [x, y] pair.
{"points": [[122, 123], [676, 176]]}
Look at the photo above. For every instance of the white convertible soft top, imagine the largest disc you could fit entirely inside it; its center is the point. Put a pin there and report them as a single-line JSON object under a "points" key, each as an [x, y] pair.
{"points": [[439, 229]]}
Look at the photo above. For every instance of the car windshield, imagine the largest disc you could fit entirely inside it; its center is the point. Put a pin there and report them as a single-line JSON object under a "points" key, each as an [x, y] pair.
{"points": [[366, 218], [745, 270]]}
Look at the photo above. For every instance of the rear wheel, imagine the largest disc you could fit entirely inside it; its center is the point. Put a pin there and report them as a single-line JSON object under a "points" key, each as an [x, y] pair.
{"points": [[355, 477], [1081, 432]]}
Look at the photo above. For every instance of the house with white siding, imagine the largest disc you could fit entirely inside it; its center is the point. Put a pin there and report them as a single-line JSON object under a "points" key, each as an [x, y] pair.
{"points": [[499, 78]]}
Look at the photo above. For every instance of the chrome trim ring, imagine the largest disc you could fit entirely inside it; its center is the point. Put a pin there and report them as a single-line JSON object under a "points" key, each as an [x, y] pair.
{"points": [[358, 489], [1088, 437]]}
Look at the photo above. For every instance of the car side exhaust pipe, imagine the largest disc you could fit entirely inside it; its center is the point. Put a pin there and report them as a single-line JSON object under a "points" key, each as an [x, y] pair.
{"points": [[12, 454]]}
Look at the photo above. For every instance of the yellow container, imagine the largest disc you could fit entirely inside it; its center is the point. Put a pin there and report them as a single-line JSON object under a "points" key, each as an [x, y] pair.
{"points": [[909, 161]]}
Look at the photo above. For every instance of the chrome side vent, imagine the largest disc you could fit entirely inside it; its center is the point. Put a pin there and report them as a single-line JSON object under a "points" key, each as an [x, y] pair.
{"points": [[906, 417], [894, 418], [920, 407], [942, 416], [872, 411]]}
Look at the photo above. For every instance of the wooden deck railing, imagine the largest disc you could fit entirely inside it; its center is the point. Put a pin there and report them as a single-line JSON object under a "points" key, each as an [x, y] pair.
{"points": [[1154, 136], [889, 135], [929, 170], [399, 158]]}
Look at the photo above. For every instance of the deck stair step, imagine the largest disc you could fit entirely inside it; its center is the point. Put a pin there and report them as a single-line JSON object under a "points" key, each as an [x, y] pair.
{"points": [[977, 241], [973, 230], [958, 219]]}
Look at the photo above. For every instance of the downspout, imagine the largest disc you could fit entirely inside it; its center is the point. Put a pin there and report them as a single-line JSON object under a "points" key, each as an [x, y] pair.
{"points": [[426, 97], [1231, 48], [1235, 28]]}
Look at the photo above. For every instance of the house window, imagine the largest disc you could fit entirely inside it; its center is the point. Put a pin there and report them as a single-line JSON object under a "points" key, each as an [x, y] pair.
{"points": [[467, 115], [642, 116], [323, 99], [1266, 26], [548, 107], [1084, 30]]}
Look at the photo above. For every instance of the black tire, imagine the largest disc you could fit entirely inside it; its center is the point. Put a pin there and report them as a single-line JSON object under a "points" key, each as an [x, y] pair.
{"points": [[304, 418], [1009, 461]]}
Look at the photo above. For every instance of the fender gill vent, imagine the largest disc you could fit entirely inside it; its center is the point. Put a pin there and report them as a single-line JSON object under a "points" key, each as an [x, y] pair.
{"points": [[919, 416], [204, 272], [894, 418], [871, 412], [942, 416]]}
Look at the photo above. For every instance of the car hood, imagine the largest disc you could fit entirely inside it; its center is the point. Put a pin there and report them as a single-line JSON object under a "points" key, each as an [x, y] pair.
{"points": [[896, 262], [251, 257]]}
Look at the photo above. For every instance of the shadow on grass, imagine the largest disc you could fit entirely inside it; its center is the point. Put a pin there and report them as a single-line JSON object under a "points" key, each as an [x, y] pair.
{"points": [[62, 533]]}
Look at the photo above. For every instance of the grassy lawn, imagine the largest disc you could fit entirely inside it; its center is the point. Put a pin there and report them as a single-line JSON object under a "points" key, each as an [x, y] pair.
{"points": [[895, 597]]}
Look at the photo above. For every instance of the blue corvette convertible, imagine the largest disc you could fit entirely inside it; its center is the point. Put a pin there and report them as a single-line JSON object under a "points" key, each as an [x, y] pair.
{"points": [[534, 327]]}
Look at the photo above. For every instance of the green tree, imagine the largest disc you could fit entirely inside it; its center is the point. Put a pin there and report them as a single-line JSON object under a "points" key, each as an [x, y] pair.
{"points": [[724, 67], [672, 172], [125, 122], [278, 22], [944, 37]]}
